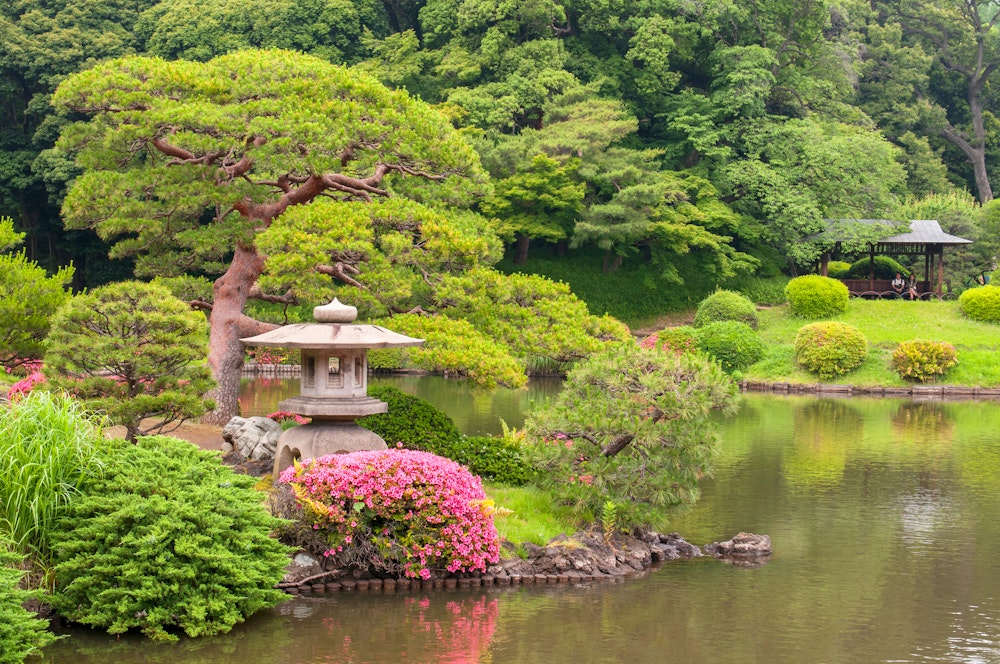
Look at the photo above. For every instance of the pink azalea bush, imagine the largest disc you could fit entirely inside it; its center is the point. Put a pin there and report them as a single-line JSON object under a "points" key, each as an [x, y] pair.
{"points": [[406, 511], [22, 387]]}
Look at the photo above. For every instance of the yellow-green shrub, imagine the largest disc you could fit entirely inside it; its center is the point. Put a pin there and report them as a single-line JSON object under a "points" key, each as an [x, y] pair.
{"points": [[922, 360], [830, 349], [982, 304], [814, 296]]}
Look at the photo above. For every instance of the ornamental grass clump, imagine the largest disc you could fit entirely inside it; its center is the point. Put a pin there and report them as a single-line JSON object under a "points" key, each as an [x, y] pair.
{"points": [[830, 349], [398, 511], [48, 446], [923, 360]]}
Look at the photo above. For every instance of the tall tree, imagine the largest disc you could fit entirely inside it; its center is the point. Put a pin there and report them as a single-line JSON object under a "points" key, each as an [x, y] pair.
{"points": [[962, 40], [185, 163]]}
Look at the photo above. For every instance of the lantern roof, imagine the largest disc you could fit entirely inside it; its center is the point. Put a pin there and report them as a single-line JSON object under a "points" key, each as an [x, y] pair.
{"points": [[335, 331]]}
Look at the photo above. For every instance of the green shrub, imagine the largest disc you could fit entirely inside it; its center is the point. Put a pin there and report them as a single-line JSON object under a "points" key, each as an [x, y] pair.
{"points": [[814, 296], [830, 349], [492, 458], [676, 340], [411, 421], [420, 426], [21, 633], [48, 446], [135, 352], [733, 344], [982, 304], [168, 539], [837, 269], [726, 305], [923, 360], [885, 268], [632, 426]]}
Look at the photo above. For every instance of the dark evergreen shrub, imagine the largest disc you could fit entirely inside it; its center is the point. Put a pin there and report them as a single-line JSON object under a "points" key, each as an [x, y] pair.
{"points": [[982, 304], [21, 632], [492, 458], [885, 268], [726, 305], [411, 421], [922, 360], [830, 348], [814, 296], [733, 344], [168, 540]]}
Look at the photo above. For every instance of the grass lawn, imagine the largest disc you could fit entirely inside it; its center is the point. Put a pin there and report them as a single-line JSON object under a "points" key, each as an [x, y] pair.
{"points": [[533, 516], [885, 323]]}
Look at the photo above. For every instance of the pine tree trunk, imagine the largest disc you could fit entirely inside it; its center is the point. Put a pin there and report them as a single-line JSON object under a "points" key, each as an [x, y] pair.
{"points": [[521, 249], [228, 325]]}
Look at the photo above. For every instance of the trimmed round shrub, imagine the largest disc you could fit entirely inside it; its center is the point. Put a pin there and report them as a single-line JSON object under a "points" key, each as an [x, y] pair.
{"points": [[830, 349], [885, 268], [726, 305], [923, 360], [492, 458], [401, 511], [21, 632], [982, 304], [734, 345], [676, 340], [815, 296], [168, 540], [411, 421], [837, 269]]}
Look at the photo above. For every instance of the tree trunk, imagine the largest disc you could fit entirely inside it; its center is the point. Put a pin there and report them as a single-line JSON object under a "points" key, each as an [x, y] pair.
{"points": [[521, 249], [227, 326]]}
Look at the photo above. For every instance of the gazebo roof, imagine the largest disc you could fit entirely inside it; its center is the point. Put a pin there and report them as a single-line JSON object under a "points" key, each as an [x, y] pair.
{"points": [[922, 231]]}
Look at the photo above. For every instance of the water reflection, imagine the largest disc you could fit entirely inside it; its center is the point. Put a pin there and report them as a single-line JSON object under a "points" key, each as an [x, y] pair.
{"points": [[885, 521]]}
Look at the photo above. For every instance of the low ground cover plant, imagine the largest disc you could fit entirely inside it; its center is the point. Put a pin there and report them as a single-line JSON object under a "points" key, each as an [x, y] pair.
{"points": [[167, 540], [922, 360], [814, 296], [22, 633], [401, 511], [631, 426], [725, 305], [982, 304], [734, 345], [830, 349]]}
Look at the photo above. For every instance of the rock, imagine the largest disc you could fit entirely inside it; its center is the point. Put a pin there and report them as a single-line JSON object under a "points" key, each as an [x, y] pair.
{"points": [[256, 438], [744, 546], [302, 566]]}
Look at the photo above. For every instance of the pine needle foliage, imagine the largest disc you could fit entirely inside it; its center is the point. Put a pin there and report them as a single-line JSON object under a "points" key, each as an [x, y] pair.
{"points": [[169, 540], [21, 633]]}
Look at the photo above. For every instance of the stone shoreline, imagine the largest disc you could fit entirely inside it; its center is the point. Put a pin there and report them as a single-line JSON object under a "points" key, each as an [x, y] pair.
{"points": [[915, 391], [585, 557]]}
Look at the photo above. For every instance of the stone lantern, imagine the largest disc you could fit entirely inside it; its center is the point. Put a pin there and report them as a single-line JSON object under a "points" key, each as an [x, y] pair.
{"points": [[333, 383]]}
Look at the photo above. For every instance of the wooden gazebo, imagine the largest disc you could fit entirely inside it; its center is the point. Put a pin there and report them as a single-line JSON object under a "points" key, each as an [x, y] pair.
{"points": [[925, 238]]}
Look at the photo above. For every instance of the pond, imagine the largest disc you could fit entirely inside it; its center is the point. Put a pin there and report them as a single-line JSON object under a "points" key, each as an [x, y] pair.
{"points": [[885, 521]]}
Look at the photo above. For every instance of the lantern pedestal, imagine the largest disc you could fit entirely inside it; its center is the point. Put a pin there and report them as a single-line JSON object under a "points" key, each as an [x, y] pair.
{"points": [[323, 437]]}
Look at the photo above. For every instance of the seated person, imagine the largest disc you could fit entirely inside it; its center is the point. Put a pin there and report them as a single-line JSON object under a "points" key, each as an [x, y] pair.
{"points": [[911, 288], [897, 285]]}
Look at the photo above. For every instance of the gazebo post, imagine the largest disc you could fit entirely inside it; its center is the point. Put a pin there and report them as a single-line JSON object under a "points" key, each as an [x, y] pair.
{"points": [[940, 279], [824, 264], [871, 267]]}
